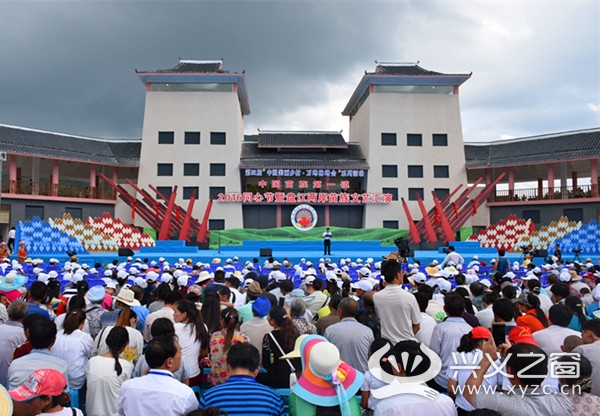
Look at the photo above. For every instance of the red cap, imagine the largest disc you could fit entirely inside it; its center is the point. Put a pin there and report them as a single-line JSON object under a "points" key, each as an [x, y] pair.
{"points": [[45, 382], [522, 334], [480, 332]]}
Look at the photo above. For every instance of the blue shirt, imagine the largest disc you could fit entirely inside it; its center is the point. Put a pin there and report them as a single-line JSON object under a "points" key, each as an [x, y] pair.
{"points": [[33, 307], [243, 395]]}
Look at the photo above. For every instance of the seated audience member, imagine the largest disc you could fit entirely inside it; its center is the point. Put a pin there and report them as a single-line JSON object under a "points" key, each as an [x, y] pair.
{"points": [[446, 337], [579, 389], [42, 335], [550, 339], [75, 347], [257, 327], [371, 382], [528, 373], [427, 322], [105, 374], [486, 314], [193, 337], [469, 351], [333, 316], [241, 394], [575, 304], [35, 296], [297, 312], [369, 317], [411, 403], [42, 394], [532, 316], [163, 326], [11, 336], [351, 338], [138, 395], [220, 342], [276, 344], [590, 333], [317, 390]]}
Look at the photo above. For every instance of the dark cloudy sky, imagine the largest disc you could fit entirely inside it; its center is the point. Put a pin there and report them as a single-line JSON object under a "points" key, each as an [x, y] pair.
{"points": [[69, 66]]}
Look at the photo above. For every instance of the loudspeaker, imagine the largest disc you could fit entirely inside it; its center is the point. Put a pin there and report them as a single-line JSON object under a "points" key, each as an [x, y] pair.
{"points": [[266, 252], [125, 252], [541, 253]]}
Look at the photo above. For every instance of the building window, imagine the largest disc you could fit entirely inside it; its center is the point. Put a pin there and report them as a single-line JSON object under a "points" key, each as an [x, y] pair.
{"points": [[164, 191], [533, 215], [412, 194], [216, 224], [214, 191], [393, 191], [440, 140], [166, 137], [441, 171], [74, 212], [191, 169], [441, 193], [217, 169], [391, 224], [573, 214], [217, 137], [389, 171], [188, 191], [164, 169], [388, 139], [414, 140], [34, 211], [415, 171], [192, 137]]}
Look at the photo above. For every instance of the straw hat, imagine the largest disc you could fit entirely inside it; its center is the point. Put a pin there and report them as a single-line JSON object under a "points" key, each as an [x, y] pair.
{"points": [[6, 407], [127, 297]]}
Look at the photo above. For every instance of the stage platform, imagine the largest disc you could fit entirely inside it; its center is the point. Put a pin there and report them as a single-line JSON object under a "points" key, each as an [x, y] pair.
{"points": [[172, 251]]}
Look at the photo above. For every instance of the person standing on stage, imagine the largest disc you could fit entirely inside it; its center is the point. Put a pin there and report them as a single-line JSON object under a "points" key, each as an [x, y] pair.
{"points": [[327, 242]]}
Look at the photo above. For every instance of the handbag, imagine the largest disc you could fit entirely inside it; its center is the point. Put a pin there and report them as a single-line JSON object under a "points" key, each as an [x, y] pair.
{"points": [[293, 378]]}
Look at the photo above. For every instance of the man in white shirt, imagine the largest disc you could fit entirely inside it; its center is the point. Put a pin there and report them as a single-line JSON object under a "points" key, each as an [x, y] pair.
{"points": [[453, 257], [11, 336], [427, 322], [550, 339], [590, 332], [446, 336], [397, 309], [158, 393], [486, 315], [319, 299], [166, 311]]}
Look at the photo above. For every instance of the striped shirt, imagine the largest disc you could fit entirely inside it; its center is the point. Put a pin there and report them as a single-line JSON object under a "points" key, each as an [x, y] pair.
{"points": [[243, 395]]}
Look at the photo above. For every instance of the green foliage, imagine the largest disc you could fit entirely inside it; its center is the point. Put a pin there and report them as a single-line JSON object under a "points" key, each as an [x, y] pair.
{"points": [[235, 237]]}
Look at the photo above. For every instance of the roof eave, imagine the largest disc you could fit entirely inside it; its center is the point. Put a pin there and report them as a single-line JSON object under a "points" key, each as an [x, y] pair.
{"points": [[393, 79], [202, 78]]}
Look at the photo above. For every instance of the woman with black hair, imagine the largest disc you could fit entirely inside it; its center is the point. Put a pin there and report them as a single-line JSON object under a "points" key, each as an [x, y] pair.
{"points": [[533, 317], [579, 318], [220, 342], [468, 352], [74, 346], [106, 373], [211, 312], [193, 337], [277, 343]]}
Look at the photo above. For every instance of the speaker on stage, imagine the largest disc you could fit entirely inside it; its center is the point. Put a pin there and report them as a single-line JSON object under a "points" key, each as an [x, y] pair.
{"points": [[266, 252], [125, 252]]}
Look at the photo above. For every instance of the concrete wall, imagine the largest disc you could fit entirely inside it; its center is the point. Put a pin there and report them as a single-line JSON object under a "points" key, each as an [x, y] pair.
{"points": [[402, 114], [205, 112]]}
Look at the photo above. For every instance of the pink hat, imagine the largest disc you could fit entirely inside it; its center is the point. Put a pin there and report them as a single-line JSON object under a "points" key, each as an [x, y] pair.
{"points": [[44, 382]]}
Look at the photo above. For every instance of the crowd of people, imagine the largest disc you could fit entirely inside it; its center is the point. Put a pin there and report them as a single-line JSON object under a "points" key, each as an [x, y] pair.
{"points": [[356, 337]]}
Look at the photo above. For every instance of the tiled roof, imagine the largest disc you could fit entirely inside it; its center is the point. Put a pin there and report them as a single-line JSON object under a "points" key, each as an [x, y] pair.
{"points": [[350, 158], [190, 66], [403, 70], [45, 144], [301, 139], [573, 145]]}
